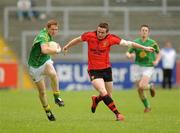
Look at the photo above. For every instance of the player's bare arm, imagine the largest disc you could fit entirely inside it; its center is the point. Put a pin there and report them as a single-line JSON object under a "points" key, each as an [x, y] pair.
{"points": [[135, 45], [73, 42], [45, 49]]}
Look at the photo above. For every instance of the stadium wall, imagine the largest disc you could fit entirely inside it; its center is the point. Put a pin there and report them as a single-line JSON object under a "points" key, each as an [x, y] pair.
{"points": [[74, 75]]}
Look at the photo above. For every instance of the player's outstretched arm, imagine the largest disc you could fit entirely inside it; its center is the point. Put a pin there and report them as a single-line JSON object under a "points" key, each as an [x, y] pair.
{"points": [[135, 45], [73, 42]]}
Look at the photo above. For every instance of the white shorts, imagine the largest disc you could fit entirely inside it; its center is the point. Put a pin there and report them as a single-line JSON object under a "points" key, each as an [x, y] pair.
{"points": [[140, 71], [38, 73]]}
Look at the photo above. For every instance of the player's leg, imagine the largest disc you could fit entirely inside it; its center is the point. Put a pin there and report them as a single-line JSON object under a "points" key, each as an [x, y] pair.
{"points": [[43, 98], [109, 87], [145, 80], [145, 85], [142, 76], [36, 74], [99, 85], [95, 74], [97, 99], [98, 74], [141, 86], [169, 78], [142, 95], [164, 79], [51, 73], [107, 76], [42, 92]]}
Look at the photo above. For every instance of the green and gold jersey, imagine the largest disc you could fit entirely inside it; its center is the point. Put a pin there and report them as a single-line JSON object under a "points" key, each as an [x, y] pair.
{"points": [[145, 58], [37, 58]]}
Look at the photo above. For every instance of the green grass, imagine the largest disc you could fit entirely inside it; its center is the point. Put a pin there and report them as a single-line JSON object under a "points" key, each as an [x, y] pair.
{"points": [[21, 112]]}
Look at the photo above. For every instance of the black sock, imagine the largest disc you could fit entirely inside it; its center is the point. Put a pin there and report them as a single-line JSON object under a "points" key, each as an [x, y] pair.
{"points": [[109, 102]]}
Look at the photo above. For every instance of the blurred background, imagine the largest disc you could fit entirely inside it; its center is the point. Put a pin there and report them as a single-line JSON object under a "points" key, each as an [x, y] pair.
{"points": [[21, 22]]}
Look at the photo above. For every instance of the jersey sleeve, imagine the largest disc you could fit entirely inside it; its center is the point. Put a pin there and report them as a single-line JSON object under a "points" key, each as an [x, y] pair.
{"points": [[156, 47], [41, 39], [114, 40], [86, 36], [131, 50]]}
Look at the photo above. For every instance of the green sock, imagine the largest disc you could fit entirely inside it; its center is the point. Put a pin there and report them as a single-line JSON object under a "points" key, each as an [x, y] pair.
{"points": [[56, 94], [47, 108], [145, 102]]}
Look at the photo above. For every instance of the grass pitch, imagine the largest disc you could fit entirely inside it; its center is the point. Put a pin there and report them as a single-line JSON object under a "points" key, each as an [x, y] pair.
{"points": [[21, 112]]}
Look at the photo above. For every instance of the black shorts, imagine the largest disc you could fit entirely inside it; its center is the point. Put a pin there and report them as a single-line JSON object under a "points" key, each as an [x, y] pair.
{"points": [[105, 74]]}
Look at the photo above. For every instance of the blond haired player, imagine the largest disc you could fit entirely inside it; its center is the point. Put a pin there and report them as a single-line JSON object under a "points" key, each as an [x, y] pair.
{"points": [[40, 65]]}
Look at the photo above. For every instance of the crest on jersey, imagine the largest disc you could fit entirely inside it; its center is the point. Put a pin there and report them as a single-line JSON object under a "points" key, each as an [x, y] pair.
{"points": [[105, 44], [142, 54]]}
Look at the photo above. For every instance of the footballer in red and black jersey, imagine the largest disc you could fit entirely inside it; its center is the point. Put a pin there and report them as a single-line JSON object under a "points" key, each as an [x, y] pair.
{"points": [[98, 50]]}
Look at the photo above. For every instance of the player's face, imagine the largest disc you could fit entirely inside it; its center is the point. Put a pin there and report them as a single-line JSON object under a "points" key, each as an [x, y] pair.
{"points": [[101, 33], [53, 30], [144, 32]]}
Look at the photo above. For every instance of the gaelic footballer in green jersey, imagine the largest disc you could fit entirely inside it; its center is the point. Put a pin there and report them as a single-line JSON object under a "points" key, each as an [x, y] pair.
{"points": [[144, 64], [145, 58], [40, 65], [37, 58]]}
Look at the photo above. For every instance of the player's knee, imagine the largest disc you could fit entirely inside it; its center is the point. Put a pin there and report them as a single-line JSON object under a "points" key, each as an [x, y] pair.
{"points": [[140, 90], [103, 92], [141, 86]]}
